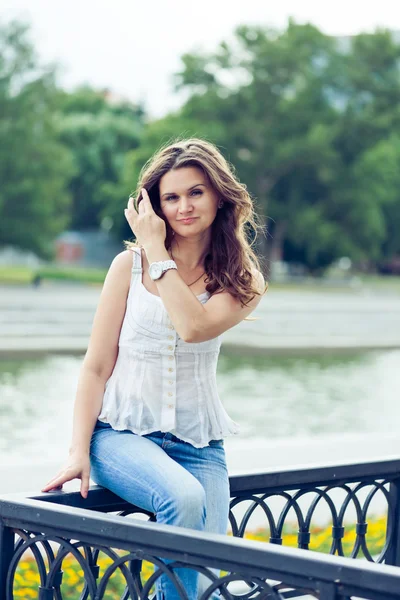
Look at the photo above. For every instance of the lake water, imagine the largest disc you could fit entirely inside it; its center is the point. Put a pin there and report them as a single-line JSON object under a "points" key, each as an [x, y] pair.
{"points": [[269, 397]]}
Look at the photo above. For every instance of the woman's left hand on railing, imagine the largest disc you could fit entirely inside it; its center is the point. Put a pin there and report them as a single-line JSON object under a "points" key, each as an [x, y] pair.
{"points": [[76, 467]]}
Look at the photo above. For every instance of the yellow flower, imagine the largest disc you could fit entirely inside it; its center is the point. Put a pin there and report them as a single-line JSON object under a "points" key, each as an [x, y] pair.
{"points": [[32, 576], [26, 593], [18, 578]]}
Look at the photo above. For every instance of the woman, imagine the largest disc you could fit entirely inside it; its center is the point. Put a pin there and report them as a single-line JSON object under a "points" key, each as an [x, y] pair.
{"points": [[148, 422]]}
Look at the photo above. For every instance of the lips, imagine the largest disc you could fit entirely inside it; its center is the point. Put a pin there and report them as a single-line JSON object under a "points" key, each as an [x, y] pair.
{"points": [[188, 220]]}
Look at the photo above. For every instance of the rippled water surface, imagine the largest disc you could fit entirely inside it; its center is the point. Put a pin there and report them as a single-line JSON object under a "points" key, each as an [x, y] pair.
{"points": [[270, 397]]}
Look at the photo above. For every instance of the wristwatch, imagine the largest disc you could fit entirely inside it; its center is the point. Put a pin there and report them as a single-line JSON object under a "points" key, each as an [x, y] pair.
{"points": [[157, 269]]}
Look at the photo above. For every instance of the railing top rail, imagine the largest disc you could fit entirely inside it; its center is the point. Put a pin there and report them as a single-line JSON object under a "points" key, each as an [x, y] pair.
{"points": [[294, 477], [194, 547], [274, 479]]}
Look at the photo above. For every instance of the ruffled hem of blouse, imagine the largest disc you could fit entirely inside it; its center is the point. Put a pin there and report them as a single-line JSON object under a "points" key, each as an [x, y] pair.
{"points": [[232, 429]]}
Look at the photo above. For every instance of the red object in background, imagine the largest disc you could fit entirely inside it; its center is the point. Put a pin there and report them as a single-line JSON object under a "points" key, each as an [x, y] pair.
{"points": [[68, 252]]}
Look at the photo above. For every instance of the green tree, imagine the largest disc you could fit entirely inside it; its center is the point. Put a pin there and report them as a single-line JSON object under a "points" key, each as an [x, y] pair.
{"points": [[269, 91], [368, 140], [296, 111], [98, 132], [311, 124], [34, 166]]}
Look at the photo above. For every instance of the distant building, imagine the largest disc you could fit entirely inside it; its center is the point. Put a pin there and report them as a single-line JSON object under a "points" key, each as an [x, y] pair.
{"points": [[95, 248]]}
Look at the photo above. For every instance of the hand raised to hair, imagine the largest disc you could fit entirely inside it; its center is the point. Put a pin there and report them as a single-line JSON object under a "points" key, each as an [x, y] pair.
{"points": [[148, 227]]}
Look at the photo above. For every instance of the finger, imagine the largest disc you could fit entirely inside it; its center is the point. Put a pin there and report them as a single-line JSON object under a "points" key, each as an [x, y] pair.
{"points": [[136, 202], [131, 204], [49, 488], [55, 482], [54, 478], [146, 199], [85, 486], [130, 212]]}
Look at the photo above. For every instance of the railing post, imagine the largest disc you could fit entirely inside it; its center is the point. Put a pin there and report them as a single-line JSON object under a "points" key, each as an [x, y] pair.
{"points": [[393, 524], [327, 591], [6, 554]]}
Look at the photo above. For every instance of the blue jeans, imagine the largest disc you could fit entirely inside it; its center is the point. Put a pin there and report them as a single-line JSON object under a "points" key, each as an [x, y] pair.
{"points": [[182, 485]]}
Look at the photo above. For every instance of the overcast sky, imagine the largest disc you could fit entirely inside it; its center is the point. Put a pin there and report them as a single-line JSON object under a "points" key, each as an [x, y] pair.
{"points": [[133, 47]]}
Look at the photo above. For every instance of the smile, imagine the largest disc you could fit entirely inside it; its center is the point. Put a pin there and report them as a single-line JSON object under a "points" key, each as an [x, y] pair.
{"points": [[188, 221]]}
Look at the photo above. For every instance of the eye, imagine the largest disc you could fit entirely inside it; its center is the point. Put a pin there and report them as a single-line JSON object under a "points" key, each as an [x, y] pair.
{"points": [[173, 197]]}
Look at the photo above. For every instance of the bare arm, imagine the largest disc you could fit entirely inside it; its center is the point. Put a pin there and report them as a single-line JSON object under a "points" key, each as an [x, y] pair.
{"points": [[97, 367], [102, 351], [194, 321]]}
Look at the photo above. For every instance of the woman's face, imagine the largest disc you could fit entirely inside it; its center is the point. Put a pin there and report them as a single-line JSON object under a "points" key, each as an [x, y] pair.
{"points": [[186, 193]]}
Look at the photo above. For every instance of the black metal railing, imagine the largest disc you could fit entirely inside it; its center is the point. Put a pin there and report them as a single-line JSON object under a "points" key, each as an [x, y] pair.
{"points": [[52, 526], [304, 490]]}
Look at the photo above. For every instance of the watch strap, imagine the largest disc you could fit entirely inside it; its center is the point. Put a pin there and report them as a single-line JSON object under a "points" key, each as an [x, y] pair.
{"points": [[168, 264], [165, 266]]}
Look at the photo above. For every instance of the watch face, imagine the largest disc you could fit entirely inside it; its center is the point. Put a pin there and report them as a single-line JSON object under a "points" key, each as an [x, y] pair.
{"points": [[155, 271]]}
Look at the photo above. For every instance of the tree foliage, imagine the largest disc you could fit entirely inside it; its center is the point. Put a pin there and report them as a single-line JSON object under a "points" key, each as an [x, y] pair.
{"points": [[98, 133], [310, 122], [34, 165]]}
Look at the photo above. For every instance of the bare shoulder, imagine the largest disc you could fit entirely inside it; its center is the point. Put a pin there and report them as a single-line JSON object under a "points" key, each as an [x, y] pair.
{"points": [[123, 260], [259, 281], [118, 278], [120, 269]]}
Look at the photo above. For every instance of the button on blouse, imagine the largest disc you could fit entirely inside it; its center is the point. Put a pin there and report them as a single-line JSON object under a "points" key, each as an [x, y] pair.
{"points": [[159, 382]]}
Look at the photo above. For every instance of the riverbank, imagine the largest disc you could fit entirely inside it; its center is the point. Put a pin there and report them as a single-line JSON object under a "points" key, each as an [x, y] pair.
{"points": [[57, 318]]}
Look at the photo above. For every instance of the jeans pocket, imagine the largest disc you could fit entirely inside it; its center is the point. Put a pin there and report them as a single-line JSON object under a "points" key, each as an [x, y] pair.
{"points": [[216, 443]]}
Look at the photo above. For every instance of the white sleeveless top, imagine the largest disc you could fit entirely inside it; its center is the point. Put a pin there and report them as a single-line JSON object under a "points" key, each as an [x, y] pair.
{"points": [[159, 382]]}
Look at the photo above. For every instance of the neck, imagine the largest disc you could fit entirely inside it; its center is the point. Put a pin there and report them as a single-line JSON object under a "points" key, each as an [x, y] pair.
{"points": [[189, 254]]}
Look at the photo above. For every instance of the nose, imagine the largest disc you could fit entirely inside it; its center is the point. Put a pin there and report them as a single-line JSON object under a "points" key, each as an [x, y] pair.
{"points": [[185, 205]]}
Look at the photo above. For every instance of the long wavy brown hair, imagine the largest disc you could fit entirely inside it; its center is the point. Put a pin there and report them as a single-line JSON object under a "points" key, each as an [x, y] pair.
{"points": [[230, 262]]}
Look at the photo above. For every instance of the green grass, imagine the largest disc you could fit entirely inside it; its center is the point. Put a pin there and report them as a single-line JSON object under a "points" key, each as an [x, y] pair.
{"points": [[16, 275], [26, 275], [381, 281], [72, 274], [362, 282]]}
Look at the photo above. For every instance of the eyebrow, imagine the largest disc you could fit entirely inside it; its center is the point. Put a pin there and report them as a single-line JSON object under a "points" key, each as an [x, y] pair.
{"points": [[193, 186]]}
